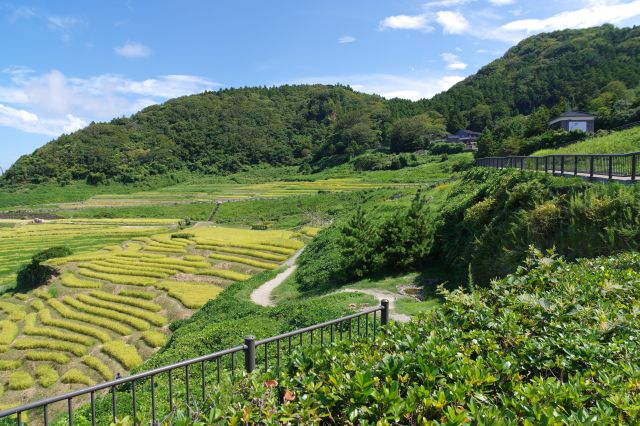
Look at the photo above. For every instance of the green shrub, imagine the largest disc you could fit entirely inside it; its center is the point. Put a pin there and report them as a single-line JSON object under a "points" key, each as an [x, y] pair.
{"points": [[446, 148], [19, 380], [182, 235], [35, 273]]}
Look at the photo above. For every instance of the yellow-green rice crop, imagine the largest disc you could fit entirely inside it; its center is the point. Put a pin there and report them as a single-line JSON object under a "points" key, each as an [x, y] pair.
{"points": [[213, 245], [20, 380], [94, 363], [143, 304], [68, 313], [76, 376], [30, 343], [8, 332], [139, 294], [153, 338], [31, 329], [191, 295], [3, 348], [114, 308], [70, 280], [164, 249], [254, 253], [46, 375], [45, 317], [100, 267], [195, 257], [145, 266], [57, 357], [21, 296], [117, 279], [224, 273], [42, 294], [15, 312], [136, 323], [244, 260], [122, 352], [10, 364], [37, 304]]}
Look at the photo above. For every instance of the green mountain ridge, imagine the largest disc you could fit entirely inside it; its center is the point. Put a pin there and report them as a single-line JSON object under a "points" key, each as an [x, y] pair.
{"points": [[318, 125]]}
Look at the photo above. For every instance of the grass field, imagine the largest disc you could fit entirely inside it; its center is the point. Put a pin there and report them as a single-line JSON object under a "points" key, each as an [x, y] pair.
{"points": [[110, 308], [621, 142]]}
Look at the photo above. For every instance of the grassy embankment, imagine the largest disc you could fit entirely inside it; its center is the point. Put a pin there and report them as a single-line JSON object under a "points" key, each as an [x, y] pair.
{"points": [[621, 142]]}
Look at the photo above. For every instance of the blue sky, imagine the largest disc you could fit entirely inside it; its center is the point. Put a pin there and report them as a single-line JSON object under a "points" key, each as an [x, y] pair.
{"points": [[64, 64]]}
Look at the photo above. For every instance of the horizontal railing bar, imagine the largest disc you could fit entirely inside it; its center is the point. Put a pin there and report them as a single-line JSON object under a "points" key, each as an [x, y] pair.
{"points": [[120, 381], [317, 326]]}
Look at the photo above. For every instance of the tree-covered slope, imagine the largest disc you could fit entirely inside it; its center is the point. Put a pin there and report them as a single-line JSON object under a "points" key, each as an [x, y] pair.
{"points": [[567, 68]]}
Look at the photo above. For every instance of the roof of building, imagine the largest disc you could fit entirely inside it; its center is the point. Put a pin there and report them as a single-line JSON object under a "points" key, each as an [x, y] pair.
{"points": [[572, 114], [470, 132]]}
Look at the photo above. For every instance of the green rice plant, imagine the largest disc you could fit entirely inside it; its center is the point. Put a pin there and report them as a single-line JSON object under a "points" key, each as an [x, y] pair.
{"points": [[132, 313], [42, 294], [99, 267], [37, 304], [106, 314], [31, 329], [68, 313], [46, 375], [4, 349], [30, 343], [139, 294], [116, 278], [75, 376], [153, 338], [250, 262], [89, 257], [142, 304], [291, 244], [212, 245], [21, 296], [137, 265], [224, 273], [46, 319], [253, 253], [122, 352], [57, 357], [9, 364], [97, 365], [1, 389], [8, 332], [15, 312], [168, 241], [70, 280], [20, 380], [169, 261], [137, 255], [191, 295], [195, 258]]}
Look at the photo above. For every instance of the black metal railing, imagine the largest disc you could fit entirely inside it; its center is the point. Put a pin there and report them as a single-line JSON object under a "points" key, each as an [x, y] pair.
{"points": [[619, 167], [364, 324]]}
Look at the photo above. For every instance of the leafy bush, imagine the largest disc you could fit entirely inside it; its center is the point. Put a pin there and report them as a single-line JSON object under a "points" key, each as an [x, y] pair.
{"points": [[185, 235], [372, 162], [35, 273], [446, 148]]}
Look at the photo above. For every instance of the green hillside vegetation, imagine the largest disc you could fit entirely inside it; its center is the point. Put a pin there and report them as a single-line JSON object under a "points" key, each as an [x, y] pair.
{"points": [[621, 142]]}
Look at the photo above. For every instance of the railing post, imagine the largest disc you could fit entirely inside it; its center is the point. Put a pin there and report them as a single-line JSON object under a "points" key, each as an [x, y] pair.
{"points": [[610, 166], [546, 165], [537, 163], [250, 353], [575, 166], [384, 315], [591, 160], [562, 166], [553, 165], [633, 167]]}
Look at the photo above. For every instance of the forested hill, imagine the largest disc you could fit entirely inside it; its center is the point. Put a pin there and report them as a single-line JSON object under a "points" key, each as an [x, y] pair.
{"points": [[560, 69], [223, 131]]}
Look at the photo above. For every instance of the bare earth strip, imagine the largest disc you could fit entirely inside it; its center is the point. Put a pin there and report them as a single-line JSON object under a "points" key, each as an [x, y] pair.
{"points": [[380, 295], [262, 295]]}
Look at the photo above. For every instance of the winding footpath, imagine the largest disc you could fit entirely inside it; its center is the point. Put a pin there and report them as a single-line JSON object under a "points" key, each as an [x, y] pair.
{"points": [[262, 295]]}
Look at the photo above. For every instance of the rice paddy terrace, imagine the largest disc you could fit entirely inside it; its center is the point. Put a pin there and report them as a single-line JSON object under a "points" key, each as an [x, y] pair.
{"points": [[110, 307]]}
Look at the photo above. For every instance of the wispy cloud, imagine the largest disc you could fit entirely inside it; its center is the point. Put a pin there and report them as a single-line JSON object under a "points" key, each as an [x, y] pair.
{"points": [[453, 61], [346, 39], [132, 49], [406, 22], [502, 2], [62, 23], [52, 103], [452, 22]]}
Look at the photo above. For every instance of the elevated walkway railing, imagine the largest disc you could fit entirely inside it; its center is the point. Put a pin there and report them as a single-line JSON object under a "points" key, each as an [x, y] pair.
{"points": [[206, 372], [615, 167]]}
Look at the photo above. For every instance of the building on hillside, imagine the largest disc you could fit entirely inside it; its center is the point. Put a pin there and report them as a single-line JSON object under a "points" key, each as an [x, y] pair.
{"points": [[467, 137], [574, 120]]}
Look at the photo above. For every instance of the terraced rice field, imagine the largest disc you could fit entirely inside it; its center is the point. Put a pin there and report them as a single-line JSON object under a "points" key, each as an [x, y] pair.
{"points": [[206, 193], [110, 308]]}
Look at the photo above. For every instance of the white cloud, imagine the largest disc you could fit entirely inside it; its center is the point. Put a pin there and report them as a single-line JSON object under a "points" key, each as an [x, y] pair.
{"points": [[406, 22], [453, 61], [596, 13], [446, 3], [346, 39], [132, 49], [412, 87], [501, 2], [53, 103], [62, 23], [452, 22]]}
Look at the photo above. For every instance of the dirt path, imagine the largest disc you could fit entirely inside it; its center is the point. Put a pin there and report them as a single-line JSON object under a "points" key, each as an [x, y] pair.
{"points": [[382, 294], [262, 295]]}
